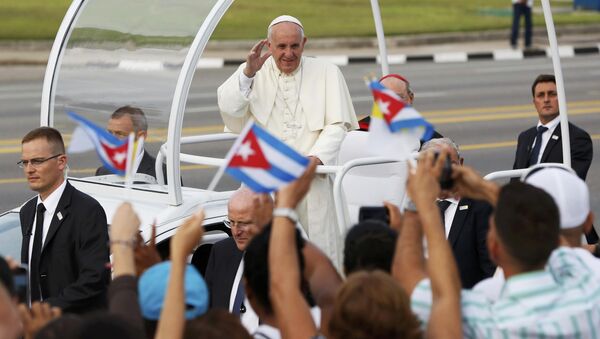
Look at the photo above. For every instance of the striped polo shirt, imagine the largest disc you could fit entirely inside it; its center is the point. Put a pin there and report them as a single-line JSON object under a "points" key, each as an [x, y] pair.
{"points": [[561, 301]]}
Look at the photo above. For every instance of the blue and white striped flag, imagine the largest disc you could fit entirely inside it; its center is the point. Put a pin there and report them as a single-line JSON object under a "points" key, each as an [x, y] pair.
{"points": [[261, 161]]}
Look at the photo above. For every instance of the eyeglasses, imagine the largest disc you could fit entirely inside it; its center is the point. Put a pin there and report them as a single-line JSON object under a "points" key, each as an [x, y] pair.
{"points": [[36, 162], [239, 224], [119, 134]]}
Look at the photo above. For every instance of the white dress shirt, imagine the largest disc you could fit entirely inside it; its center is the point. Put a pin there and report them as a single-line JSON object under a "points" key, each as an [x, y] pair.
{"points": [[529, 2], [249, 318], [449, 215], [265, 331], [551, 126]]}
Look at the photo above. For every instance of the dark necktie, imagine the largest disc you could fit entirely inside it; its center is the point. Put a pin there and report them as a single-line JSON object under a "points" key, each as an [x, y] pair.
{"points": [[36, 251], [538, 145], [239, 299], [443, 206]]}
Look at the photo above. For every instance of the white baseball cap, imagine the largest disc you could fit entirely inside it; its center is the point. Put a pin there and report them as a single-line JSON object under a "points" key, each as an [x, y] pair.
{"points": [[569, 192]]}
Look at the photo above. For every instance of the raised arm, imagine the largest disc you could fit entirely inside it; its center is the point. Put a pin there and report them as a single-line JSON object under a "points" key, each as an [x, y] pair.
{"points": [[408, 266], [324, 281], [469, 184], [172, 317], [292, 311], [423, 187], [122, 292]]}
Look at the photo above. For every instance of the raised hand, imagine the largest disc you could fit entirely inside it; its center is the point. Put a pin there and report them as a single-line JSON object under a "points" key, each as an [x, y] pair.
{"points": [[255, 60], [395, 216], [146, 256], [263, 213], [423, 181], [188, 236], [36, 318], [291, 194], [468, 183], [125, 224]]}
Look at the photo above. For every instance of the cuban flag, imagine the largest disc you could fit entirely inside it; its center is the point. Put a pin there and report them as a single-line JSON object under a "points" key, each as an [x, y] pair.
{"points": [[261, 161], [396, 127], [111, 150], [397, 114]]}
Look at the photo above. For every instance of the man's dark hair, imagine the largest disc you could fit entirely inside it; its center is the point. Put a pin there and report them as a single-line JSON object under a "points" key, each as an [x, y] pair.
{"points": [[527, 223], [67, 326], [215, 324], [106, 325], [138, 118], [369, 245], [256, 267], [542, 78], [51, 135]]}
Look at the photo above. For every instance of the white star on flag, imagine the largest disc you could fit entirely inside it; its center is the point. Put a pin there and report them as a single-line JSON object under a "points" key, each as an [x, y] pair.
{"points": [[120, 157], [384, 106], [245, 150]]}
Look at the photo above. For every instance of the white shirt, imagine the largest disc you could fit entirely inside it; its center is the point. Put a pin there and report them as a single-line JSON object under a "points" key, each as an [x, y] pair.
{"points": [[249, 318], [449, 215], [561, 301], [50, 204], [529, 2], [492, 286], [546, 136], [236, 283], [245, 84], [265, 331]]}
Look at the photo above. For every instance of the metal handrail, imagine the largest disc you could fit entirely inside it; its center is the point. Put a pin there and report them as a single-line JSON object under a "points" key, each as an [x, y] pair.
{"points": [[505, 174], [190, 158]]}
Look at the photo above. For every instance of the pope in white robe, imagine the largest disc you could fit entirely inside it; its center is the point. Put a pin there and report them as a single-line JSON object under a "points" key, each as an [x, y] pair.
{"points": [[303, 101]]}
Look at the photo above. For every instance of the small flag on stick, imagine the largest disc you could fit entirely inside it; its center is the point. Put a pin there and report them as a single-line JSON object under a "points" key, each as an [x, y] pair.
{"points": [[395, 127], [261, 161]]}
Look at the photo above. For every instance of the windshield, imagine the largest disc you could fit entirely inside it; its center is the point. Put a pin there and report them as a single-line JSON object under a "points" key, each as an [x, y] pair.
{"points": [[10, 235], [124, 53]]}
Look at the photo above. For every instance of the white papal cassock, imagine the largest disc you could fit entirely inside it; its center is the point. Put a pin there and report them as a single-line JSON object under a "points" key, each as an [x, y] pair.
{"points": [[309, 109]]}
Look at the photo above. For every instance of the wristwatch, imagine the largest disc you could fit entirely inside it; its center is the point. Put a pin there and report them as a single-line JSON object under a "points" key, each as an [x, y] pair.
{"points": [[286, 213], [409, 205]]}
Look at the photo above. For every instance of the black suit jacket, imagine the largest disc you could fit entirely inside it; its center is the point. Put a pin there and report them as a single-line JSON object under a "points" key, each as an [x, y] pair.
{"points": [[467, 238], [581, 149], [72, 266], [146, 167], [223, 264]]}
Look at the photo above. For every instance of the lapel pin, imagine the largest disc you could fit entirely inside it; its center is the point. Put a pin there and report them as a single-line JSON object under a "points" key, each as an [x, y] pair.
{"points": [[555, 137], [463, 207], [59, 216]]}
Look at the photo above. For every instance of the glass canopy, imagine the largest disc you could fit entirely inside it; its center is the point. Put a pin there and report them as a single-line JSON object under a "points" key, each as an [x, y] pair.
{"points": [[142, 53]]}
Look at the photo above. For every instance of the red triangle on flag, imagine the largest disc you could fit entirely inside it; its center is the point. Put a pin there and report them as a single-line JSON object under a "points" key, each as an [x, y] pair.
{"points": [[249, 154], [117, 155], [393, 105]]}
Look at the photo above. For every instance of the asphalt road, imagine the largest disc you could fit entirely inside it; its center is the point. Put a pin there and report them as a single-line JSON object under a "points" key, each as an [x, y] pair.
{"points": [[482, 105]]}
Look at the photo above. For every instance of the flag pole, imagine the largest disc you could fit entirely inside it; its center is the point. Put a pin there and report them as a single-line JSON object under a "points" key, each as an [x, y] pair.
{"points": [[215, 180], [129, 164]]}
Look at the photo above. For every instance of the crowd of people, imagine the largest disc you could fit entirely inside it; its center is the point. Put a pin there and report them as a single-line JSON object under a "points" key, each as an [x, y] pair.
{"points": [[463, 257]]}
